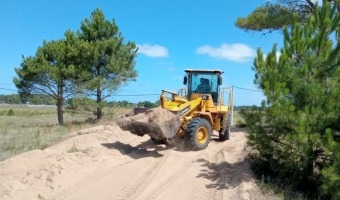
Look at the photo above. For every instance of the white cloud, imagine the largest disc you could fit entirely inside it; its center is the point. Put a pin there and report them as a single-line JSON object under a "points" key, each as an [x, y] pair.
{"points": [[278, 54], [153, 50], [234, 52]]}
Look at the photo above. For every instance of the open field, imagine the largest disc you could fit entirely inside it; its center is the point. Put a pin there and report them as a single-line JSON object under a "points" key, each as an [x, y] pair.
{"points": [[27, 127]]}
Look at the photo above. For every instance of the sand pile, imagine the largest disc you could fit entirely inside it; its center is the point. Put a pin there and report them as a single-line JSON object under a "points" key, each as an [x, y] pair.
{"points": [[105, 162], [158, 122]]}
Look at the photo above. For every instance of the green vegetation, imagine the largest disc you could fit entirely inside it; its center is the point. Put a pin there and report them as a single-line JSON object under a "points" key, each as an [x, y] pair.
{"points": [[41, 197], [106, 61], [277, 14], [36, 99], [10, 99], [238, 119], [270, 16], [48, 73], [28, 127], [148, 104], [93, 62], [10, 112], [296, 130], [73, 149]]}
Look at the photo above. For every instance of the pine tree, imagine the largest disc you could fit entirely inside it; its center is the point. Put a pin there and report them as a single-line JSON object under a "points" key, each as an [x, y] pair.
{"points": [[48, 72], [108, 61], [295, 129], [274, 15]]}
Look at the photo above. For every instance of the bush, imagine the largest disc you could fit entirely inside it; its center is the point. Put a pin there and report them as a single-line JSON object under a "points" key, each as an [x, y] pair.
{"points": [[241, 124], [10, 112], [294, 130]]}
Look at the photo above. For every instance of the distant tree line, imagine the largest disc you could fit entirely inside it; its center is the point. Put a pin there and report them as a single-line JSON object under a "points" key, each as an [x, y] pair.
{"points": [[42, 99], [36, 99]]}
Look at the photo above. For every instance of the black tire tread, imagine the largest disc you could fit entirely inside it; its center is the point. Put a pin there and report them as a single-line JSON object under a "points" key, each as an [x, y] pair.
{"points": [[191, 131], [226, 135]]}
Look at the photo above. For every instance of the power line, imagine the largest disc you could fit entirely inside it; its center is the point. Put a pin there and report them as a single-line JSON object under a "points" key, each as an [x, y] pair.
{"points": [[136, 95], [6, 83], [8, 89], [246, 89], [133, 95], [122, 95]]}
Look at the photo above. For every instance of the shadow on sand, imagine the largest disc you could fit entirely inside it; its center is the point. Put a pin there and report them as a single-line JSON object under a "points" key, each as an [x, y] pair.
{"points": [[225, 175], [145, 149]]}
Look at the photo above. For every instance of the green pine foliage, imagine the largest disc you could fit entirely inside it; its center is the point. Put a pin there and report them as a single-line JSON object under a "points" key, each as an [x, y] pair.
{"points": [[275, 15], [269, 16], [295, 130], [108, 61], [48, 72], [94, 62]]}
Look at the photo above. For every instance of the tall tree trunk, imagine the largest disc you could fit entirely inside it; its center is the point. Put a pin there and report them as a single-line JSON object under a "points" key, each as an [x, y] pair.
{"points": [[60, 103], [99, 96], [99, 99]]}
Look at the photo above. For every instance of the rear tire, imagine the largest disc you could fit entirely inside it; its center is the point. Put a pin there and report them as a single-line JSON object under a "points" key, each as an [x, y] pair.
{"points": [[198, 134], [225, 135]]}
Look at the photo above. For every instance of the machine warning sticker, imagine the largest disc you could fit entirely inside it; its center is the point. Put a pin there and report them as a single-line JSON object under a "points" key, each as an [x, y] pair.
{"points": [[184, 111]]}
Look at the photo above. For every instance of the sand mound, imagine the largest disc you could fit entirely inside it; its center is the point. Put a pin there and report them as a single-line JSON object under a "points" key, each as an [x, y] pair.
{"points": [[105, 162]]}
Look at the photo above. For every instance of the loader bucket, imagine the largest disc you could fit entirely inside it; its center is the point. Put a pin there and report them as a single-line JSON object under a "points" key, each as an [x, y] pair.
{"points": [[158, 123]]}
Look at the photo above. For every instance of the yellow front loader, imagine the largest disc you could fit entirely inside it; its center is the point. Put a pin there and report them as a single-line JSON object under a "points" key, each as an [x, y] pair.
{"points": [[196, 111]]}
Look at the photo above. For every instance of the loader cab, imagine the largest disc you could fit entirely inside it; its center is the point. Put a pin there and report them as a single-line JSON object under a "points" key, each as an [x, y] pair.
{"points": [[203, 82]]}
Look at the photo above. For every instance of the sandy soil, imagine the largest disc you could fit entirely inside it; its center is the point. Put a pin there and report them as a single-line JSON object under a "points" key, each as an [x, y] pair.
{"points": [[105, 162]]}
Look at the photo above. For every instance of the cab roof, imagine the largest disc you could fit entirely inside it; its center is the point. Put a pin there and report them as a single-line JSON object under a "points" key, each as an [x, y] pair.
{"points": [[216, 71]]}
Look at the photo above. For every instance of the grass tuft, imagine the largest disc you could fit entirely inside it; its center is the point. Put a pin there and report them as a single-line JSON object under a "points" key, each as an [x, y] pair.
{"points": [[73, 149], [41, 197], [10, 112]]}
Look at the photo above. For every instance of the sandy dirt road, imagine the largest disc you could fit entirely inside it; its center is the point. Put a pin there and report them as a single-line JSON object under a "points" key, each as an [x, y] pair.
{"points": [[105, 162]]}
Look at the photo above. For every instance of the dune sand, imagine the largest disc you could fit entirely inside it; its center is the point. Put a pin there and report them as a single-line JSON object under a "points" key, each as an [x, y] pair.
{"points": [[105, 162]]}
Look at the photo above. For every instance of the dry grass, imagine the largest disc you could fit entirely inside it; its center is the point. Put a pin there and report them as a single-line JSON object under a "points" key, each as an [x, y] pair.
{"points": [[238, 120], [24, 128]]}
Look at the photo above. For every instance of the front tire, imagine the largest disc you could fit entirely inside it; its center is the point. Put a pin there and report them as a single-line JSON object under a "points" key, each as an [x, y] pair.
{"points": [[198, 134]]}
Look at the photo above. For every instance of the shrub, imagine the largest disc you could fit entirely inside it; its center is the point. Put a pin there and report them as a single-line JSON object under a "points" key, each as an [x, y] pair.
{"points": [[10, 112]]}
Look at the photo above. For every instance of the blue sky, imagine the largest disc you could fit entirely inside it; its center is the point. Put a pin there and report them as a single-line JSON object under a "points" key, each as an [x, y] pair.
{"points": [[171, 35]]}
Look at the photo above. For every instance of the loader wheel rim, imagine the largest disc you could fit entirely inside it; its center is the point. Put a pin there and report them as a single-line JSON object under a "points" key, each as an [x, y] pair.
{"points": [[202, 135]]}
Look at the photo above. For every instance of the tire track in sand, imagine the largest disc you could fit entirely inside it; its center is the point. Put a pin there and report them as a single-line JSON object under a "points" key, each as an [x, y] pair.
{"points": [[92, 178], [172, 175], [137, 185], [96, 175]]}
